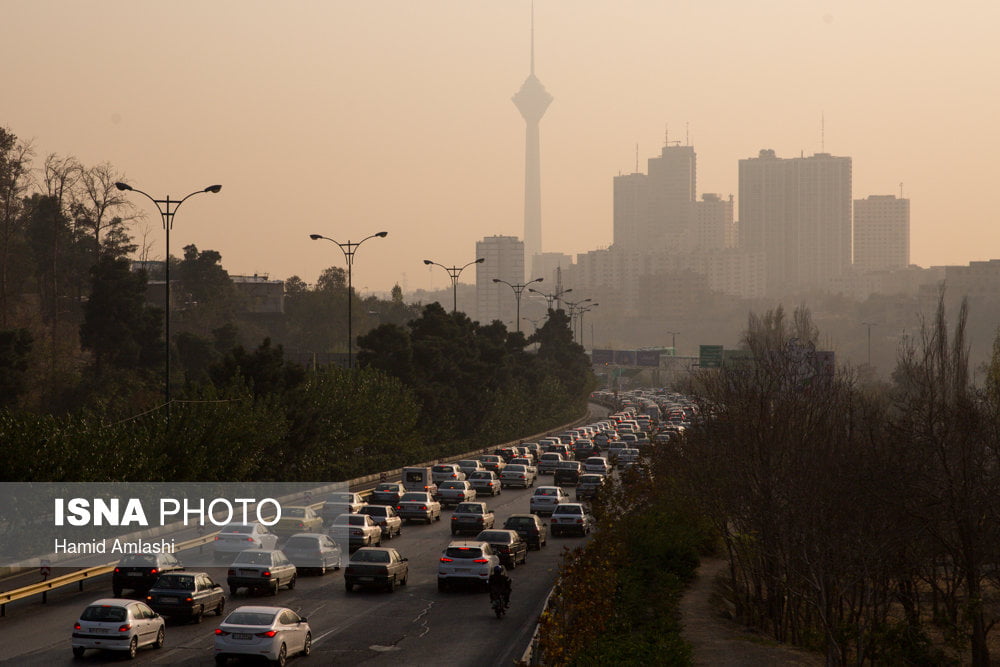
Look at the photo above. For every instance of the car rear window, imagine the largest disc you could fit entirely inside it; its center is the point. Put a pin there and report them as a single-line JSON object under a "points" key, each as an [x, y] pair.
{"points": [[387, 487], [415, 495], [494, 536], [139, 560], [375, 510], [250, 618], [591, 479], [253, 558], [481, 474], [517, 467], [568, 509], [545, 492], [469, 508], [237, 528], [452, 485], [463, 552], [364, 556], [301, 543], [294, 512], [443, 469], [104, 614], [177, 582]]}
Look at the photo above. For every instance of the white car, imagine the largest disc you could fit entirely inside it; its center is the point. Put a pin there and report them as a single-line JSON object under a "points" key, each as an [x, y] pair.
{"points": [[597, 464], [355, 530], [418, 505], [517, 474], [236, 537], [545, 499], [268, 632], [548, 462], [469, 466], [485, 481], [113, 624], [468, 562], [629, 455], [447, 472], [570, 518]]}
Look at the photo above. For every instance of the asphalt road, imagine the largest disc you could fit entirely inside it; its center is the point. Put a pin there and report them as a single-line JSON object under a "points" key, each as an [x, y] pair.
{"points": [[416, 625]]}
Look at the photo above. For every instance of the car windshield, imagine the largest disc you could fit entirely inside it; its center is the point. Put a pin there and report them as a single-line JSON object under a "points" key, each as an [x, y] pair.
{"points": [[294, 512], [177, 582], [139, 560], [469, 508], [374, 556], [251, 618], [416, 495], [463, 552], [253, 558], [497, 536], [301, 543], [104, 614], [569, 509]]}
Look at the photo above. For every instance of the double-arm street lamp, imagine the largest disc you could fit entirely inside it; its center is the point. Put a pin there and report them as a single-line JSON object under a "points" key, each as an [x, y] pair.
{"points": [[167, 208], [573, 310], [455, 272], [555, 296], [349, 248], [582, 311], [518, 289]]}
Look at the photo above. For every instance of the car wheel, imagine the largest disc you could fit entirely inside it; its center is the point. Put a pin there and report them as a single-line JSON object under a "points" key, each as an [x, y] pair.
{"points": [[391, 584], [308, 646], [78, 651], [221, 607], [133, 648], [349, 587], [524, 558], [405, 577], [274, 588], [438, 517], [160, 636], [221, 660], [197, 616], [282, 656], [232, 591], [291, 583]]}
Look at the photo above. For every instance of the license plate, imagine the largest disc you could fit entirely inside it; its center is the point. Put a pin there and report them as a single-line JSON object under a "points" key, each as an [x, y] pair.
{"points": [[366, 578], [168, 600], [242, 635], [250, 572], [462, 569], [135, 574], [100, 631]]}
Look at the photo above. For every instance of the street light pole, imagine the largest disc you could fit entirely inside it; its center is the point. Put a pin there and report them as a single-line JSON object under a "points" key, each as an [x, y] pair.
{"points": [[549, 298], [349, 248], [673, 340], [167, 208], [454, 272], [869, 325], [572, 307], [582, 311], [518, 289]]}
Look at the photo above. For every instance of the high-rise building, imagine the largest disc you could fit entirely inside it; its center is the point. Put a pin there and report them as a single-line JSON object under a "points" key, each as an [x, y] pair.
{"points": [[532, 100], [881, 233], [631, 211], [798, 213], [713, 222], [504, 259]]}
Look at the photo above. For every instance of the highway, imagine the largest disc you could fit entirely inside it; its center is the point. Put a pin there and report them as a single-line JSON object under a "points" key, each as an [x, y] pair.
{"points": [[416, 625]]}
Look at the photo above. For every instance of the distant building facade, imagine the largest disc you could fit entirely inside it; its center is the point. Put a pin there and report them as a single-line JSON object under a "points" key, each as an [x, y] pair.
{"points": [[881, 233], [504, 259]]}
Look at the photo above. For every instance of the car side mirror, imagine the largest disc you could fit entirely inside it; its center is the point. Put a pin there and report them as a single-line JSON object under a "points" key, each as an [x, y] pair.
{"points": [[404, 559], [303, 620]]}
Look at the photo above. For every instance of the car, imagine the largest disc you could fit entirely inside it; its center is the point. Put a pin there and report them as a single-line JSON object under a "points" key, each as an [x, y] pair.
{"points": [[526, 461], [298, 519], [570, 518], [466, 562], [533, 448], [189, 595], [517, 474], [112, 624], [418, 505], [470, 466], [376, 566], [486, 481], [493, 462], [342, 502], [260, 570], [590, 485], [568, 473], [529, 527], [628, 455], [446, 472], [471, 518], [597, 464], [355, 530], [507, 453], [548, 462], [386, 493], [138, 572], [545, 499], [273, 633], [386, 518], [455, 492], [313, 552], [583, 448], [236, 537], [508, 545]]}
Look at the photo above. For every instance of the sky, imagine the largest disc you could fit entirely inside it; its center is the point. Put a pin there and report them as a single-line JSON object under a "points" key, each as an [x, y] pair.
{"points": [[346, 118]]}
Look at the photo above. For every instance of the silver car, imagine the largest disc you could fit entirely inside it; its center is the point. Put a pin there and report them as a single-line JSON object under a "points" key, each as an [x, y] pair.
{"points": [[236, 537], [273, 633], [545, 499], [387, 519], [485, 481], [418, 505], [446, 472], [570, 518], [455, 492], [313, 551], [112, 624], [517, 474]]}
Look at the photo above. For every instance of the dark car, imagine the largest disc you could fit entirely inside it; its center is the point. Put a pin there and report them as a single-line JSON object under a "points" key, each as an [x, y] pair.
{"points": [[567, 473], [507, 544], [589, 486], [471, 518], [386, 493], [529, 527], [138, 572], [583, 449], [186, 594]]}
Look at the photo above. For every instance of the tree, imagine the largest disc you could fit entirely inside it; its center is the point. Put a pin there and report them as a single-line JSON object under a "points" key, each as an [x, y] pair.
{"points": [[98, 202], [15, 180], [15, 350]]}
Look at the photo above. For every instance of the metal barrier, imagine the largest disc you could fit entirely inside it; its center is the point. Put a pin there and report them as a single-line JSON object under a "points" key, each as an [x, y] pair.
{"points": [[79, 577]]}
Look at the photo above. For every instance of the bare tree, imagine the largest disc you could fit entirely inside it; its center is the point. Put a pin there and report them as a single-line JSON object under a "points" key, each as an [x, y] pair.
{"points": [[100, 204], [15, 182]]}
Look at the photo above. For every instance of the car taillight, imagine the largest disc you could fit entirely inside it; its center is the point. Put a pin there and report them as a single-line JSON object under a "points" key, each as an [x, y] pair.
{"points": [[249, 539], [216, 538], [269, 633], [445, 560], [117, 571], [481, 560], [423, 507], [399, 507], [232, 571], [149, 597], [220, 632], [154, 571], [301, 525], [125, 627], [189, 599], [454, 518], [76, 626]]}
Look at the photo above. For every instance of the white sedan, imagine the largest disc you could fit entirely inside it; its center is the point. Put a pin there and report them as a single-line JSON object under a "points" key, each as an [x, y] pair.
{"points": [[113, 624], [273, 633]]}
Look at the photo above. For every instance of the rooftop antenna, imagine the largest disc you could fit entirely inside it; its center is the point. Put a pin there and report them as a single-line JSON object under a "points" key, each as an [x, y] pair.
{"points": [[666, 134], [687, 139], [900, 190], [637, 160], [822, 132], [532, 37]]}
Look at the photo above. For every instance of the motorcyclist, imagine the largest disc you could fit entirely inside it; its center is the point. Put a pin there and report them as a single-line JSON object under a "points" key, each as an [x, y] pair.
{"points": [[499, 584]]}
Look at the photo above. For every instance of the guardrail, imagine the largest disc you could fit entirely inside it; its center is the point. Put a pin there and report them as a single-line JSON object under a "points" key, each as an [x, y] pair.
{"points": [[87, 574]]}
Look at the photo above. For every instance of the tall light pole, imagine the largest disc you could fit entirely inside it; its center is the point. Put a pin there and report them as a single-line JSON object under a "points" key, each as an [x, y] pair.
{"points": [[673, 340], [869, 325], [167, 208], [582, 311], [573, 305], [518, 289], [455, 272], [349, 248], [555, 296]]}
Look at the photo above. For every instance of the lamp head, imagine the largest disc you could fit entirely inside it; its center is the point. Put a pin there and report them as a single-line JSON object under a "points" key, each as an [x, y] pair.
{"points": [[480, 260], [382, 234], [496, 280], [123, 186], [538, 280], [427, 261], [567, 291], [213, 188], [315, 237]]}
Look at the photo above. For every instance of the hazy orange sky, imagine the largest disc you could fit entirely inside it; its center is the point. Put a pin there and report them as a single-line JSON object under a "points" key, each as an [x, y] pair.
{"points": [[348, 118]]}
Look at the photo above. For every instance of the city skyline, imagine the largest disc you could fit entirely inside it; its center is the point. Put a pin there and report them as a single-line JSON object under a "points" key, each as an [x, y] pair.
{"points": [[350, 119]]}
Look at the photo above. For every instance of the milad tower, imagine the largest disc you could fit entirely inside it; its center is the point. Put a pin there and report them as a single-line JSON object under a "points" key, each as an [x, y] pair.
{"points": [[532, 100]]}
